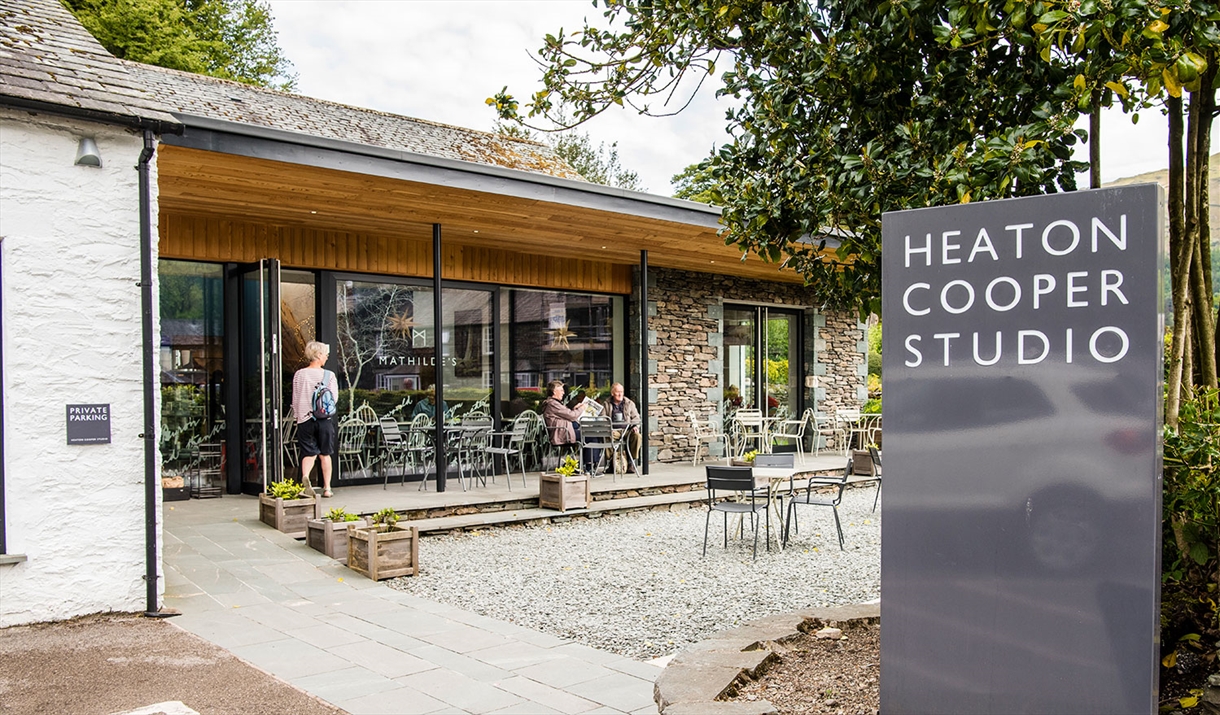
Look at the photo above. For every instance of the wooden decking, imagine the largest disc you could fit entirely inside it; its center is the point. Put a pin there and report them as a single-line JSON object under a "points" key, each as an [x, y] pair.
{"points": [[496, 504]]}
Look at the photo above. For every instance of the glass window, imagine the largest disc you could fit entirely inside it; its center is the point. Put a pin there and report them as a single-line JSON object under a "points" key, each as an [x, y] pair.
{"points": [[559, 336], [385, 345], [192, 365], [740, 328]]}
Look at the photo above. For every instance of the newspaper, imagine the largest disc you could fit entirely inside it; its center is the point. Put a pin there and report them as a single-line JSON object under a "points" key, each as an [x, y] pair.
{"points": [[589, 408]]}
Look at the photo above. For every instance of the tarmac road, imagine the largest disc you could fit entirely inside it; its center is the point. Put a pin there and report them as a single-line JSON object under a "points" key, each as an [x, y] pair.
{"points": [[119, 663]]}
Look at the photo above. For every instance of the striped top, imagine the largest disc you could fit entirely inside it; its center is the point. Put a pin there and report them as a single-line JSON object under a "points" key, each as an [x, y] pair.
{"points": [[303, 384]]}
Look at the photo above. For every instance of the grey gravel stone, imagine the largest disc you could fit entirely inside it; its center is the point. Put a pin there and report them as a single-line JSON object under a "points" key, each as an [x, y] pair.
{"points": [[636, 584]]}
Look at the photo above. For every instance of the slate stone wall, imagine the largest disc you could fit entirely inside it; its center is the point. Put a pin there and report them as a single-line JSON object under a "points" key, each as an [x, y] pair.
{"points": [[686, 351]]}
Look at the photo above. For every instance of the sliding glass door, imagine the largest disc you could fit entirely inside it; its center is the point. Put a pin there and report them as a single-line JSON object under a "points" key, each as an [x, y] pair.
{"points": [[762, 360]]}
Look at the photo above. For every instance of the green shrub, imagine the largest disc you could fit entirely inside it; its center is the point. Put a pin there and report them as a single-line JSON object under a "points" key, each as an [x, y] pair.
{"points": [[285, 489], [872, 407], [874, 364], [385, 518], [340, 514], [1190, 566]]}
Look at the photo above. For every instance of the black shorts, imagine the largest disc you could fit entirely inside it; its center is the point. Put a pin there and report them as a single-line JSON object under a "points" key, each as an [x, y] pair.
{"points": [[316, 437]]}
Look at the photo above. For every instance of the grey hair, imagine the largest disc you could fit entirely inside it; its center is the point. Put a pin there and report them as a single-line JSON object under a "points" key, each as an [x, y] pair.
{"points": [[315, 350]]}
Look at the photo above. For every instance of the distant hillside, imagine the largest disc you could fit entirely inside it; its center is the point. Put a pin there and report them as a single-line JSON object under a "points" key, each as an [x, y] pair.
{"points": [[1162, 177]]}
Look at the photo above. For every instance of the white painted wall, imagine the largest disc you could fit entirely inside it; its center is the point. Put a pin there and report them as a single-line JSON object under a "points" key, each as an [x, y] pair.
{"points": [[69, 242]]}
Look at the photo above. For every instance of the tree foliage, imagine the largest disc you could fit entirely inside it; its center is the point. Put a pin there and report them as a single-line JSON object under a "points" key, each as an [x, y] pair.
{"points": [[846, 111], [230, 39], [599, 165], [696, 183], [849, 109]]}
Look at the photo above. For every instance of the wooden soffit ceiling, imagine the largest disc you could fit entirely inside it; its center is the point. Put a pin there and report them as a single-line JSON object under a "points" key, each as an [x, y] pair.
{"points": [[198, 182]]}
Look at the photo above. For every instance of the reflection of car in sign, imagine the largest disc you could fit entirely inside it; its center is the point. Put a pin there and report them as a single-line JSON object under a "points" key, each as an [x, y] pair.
{"points": [[1055, 465]]}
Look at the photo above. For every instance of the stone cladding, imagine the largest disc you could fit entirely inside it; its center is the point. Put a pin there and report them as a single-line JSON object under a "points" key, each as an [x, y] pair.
{"points": [[686, 351]]}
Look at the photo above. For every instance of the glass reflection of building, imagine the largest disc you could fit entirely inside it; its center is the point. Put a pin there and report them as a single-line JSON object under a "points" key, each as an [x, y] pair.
{"points": [[383, 335]]}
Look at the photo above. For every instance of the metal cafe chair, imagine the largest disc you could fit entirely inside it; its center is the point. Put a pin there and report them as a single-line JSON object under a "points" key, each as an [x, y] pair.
{"points": [[537, 439], [794, 430], [351, 443], [620, 449], [826, 491], [876, 455], [753, 430], [510, 443], [852, 425], [781, 460], [596, 437], [737, 496], [421, 437], [288, 439], [472, 443], [704, 432], [825, 428], [366, 414], [398, 450]]}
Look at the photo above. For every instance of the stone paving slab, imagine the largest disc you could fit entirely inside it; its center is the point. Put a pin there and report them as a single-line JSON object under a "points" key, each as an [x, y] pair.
{"points": [[365, 647]]}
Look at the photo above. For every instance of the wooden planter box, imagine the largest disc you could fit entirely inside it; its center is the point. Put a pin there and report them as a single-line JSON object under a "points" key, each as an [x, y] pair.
{"points": [[329, 537], [861, 463], [383, 554], [290, 517], [740, 463], [556, 491]]}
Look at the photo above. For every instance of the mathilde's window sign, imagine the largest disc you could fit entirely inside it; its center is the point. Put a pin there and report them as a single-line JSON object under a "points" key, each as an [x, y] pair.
{"points": [[88, 424], [1021, 532]]}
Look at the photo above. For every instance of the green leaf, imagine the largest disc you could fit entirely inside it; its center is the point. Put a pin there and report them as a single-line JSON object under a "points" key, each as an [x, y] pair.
{"points": [[1199, 552]]}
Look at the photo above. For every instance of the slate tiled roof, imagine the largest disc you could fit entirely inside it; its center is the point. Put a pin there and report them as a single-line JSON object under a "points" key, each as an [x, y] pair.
{"points": [[48, 58], [199, 95]]}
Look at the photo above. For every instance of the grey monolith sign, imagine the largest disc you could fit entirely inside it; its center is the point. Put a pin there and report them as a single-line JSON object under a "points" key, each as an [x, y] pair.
{"points": [[1020, 559]]}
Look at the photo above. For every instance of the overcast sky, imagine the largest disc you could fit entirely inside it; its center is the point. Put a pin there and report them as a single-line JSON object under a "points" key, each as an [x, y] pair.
{"points": [[439, 60]]}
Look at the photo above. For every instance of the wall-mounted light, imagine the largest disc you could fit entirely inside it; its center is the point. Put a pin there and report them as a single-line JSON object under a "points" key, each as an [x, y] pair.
{"points": [[87, 153]]}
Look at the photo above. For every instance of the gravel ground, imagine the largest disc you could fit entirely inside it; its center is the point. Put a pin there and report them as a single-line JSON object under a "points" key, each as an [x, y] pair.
{"points": [[637, 585]]}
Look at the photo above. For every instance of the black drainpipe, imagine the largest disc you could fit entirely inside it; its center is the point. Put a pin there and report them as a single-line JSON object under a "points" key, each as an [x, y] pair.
{"points": [[152, 608], [644, 361], [438, 411]]}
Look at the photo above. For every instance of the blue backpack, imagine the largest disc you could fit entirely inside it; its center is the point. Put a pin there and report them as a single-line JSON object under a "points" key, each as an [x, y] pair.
{"points": [[323, 403]]}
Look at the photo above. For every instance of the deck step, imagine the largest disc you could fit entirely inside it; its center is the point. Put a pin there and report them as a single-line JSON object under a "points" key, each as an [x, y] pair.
{"points": [[466, 522], [616, 505]]}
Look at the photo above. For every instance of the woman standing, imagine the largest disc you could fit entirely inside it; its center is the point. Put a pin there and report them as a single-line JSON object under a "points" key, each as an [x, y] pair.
{"points": [[315, 436]]}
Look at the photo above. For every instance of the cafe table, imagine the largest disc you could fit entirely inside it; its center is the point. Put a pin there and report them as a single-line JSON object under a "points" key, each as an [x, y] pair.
{"points": [[778, 481]]}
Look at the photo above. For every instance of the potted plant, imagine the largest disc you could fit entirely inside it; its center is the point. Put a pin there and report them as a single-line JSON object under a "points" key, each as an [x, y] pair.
{"points": [[329, 534], [745, 460], [565, 488], [287, 507], [383, 549]]}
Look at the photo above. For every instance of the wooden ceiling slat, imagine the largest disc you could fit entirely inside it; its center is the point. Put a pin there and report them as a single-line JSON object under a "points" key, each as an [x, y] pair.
{"points": [[194, 182]]}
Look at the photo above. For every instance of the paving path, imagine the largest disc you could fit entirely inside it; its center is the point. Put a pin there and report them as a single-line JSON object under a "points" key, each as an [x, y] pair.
{"points": [[363, 646]]}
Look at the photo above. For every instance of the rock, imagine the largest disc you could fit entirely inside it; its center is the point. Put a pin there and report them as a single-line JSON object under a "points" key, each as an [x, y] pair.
{"points": [[829, 634]]}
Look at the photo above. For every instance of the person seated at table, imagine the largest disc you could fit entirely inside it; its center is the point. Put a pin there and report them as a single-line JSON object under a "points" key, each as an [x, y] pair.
{"points": [[427, 406], [562, 422], [623, 416]]}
